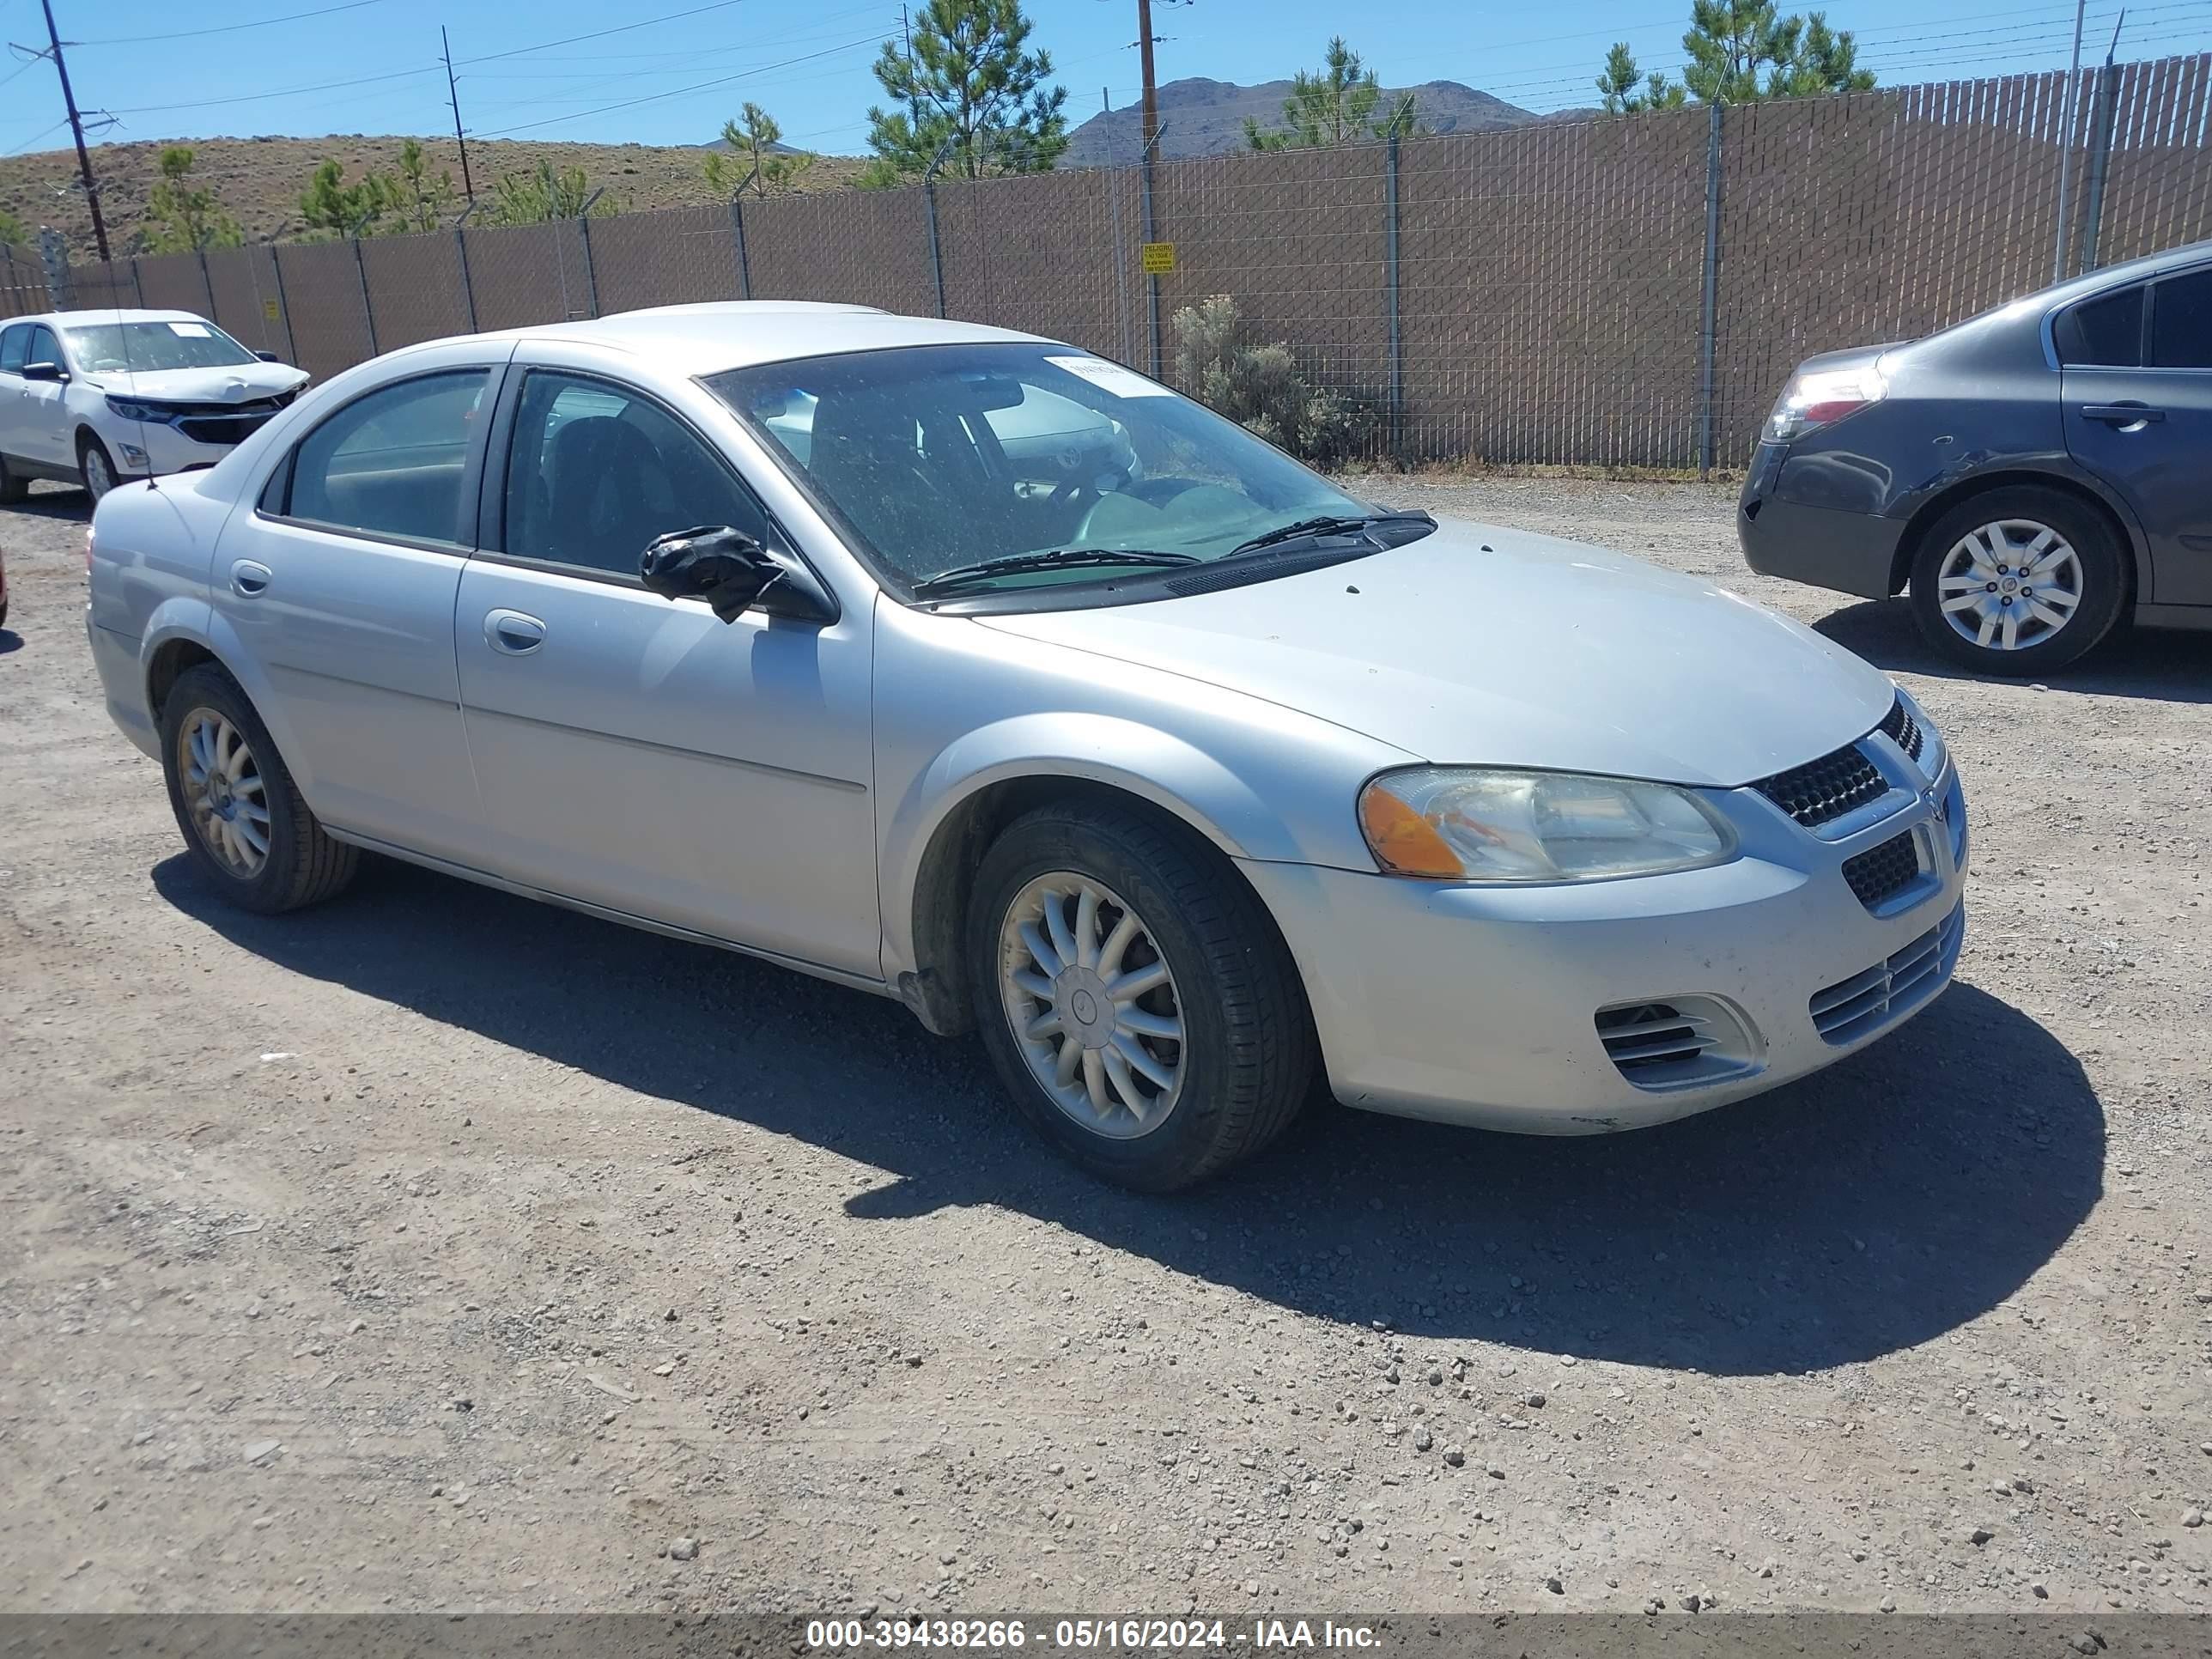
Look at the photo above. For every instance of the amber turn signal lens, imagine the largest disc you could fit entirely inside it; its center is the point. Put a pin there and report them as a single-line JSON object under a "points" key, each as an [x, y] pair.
{"points": [[1403, 842]]}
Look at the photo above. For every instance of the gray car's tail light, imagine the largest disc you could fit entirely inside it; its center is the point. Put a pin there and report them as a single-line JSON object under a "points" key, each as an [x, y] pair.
{"points": [[1903, 730], [1882, 872], [1862, 1004], [1682, 1040], [1826, 788]]}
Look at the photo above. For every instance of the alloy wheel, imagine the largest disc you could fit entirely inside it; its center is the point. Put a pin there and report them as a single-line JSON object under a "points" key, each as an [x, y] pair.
{"points": [[2009, 585], [99, 477], [1092, 1004], [223, 792]]}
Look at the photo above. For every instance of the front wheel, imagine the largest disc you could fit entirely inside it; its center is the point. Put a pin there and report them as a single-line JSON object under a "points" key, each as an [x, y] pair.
{"points": [[95, 466], [2018, 580], [1135, 996], [244, 821]]}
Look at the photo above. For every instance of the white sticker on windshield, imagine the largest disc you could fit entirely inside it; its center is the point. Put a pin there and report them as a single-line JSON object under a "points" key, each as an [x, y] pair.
{"points": [[190, 330], [1112, 377]]}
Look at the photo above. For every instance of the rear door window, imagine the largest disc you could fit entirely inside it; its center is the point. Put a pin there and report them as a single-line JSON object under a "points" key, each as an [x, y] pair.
{"points": [[392, 463], [2181, 322]]}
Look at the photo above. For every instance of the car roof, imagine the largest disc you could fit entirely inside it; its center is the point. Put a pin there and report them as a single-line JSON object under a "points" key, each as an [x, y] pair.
{"points": [[724, 334], [105, 315], [2150, 264]]}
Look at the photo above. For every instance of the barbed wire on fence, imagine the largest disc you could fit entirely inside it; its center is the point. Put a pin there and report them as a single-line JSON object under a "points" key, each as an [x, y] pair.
{"points": [[1535, 293]]}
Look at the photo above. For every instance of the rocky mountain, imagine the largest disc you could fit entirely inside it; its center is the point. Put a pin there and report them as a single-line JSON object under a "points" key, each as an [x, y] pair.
{"points": [[1199, 117]]}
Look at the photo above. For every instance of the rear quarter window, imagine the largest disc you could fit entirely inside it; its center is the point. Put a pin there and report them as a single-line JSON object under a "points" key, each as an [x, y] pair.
{"points": [[2106, 332]]}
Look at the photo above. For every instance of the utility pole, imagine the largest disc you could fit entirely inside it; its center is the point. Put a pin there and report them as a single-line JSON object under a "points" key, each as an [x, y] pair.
{"points": [[453, 92], [1151, 93], [76, 128]]}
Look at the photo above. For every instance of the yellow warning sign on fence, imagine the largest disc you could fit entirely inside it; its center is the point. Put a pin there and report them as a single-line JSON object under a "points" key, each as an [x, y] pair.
{"points": [[269, 309], [1158, 259]]}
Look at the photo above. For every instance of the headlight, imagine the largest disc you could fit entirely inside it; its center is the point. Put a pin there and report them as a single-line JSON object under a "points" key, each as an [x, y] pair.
{"points": [[131, 410], [1462, 824]]}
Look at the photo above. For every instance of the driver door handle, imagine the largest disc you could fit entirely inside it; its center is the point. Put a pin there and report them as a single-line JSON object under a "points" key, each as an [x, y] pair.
{"points": [[513, 634], [2122, 414]]}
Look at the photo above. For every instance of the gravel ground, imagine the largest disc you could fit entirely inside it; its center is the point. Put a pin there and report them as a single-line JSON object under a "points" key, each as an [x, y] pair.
{"points": [[440, 1250]]}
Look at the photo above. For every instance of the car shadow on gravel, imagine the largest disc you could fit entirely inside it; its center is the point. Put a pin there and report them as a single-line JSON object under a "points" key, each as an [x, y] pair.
{"points": [[2161, 664], [1906, 1191]]}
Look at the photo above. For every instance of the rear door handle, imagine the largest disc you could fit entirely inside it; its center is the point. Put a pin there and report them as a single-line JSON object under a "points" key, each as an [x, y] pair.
{"points": [[513, 634], [249, 581], [2121, 415]]}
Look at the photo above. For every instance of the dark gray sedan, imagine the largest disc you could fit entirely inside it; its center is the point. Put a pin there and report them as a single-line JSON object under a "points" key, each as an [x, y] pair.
{"points": [[2032, 475]]}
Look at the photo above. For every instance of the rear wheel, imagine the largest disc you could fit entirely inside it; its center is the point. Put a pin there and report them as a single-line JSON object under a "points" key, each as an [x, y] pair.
{"points": [[1135, 996], [2018, 580], [14, 486], [243, 819], [95, 466]]}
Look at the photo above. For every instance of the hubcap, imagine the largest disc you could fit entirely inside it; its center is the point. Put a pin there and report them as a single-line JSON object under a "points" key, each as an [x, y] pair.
{"points": [[97, 478], [1091, 1005], [223, 794], [2009, 585]]}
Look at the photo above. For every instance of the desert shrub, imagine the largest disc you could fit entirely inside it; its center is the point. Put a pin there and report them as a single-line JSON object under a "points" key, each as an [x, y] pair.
{"points": [[1261, 386]]}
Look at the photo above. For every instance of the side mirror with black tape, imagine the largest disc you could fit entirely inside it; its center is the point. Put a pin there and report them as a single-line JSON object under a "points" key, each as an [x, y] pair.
{"points": [[725, 566]]}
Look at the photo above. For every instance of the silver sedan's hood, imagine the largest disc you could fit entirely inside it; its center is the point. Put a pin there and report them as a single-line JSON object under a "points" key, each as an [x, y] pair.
{"points": [[1538, 653]]}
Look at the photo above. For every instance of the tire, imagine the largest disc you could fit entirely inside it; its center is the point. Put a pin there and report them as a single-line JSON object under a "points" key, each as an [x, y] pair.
{"points": [[89, 449], [299, 864], [1245, 1057], [1968, 547], [13, 486]]}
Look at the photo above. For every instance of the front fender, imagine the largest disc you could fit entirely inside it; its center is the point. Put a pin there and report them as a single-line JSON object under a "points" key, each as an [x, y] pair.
{"points": [[1155, 766]]}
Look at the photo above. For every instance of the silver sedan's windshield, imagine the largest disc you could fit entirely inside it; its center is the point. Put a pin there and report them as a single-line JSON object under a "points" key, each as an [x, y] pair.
{"points": [[1058, 466]]}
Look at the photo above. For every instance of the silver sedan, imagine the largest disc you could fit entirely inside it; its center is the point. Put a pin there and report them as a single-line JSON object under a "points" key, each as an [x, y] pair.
{"points": [[979, 671]]}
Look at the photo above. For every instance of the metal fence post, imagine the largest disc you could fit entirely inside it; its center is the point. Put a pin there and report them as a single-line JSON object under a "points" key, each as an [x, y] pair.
{"points": [[744, 266], [1390, 270], [1707, 324], [206, 281], [468, 285], [283, 305], [137, 286], [2100, 149], [367, 310], [590, 272], [936, 255]]}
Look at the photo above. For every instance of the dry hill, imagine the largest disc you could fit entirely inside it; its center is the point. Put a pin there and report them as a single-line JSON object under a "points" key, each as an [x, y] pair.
{"points": [[259, 180]]}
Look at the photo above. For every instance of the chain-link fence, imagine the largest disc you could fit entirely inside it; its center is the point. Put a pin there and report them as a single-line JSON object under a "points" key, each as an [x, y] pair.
{"points": [[1626, 291]]}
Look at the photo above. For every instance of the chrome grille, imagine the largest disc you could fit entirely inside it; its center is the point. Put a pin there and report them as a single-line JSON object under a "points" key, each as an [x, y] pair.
{"points": [[1884, 870], [1852, 1008], [1903, 729], [1826, 788]]}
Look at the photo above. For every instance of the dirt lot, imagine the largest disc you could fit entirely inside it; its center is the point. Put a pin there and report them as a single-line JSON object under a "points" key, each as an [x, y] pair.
{"points": [[440, 1250]]}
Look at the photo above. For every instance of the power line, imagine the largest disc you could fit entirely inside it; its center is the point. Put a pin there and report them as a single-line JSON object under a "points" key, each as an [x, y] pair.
{"points": [[35, 137], [226, 28], [656, 97], [288, 92], [600, 34]]}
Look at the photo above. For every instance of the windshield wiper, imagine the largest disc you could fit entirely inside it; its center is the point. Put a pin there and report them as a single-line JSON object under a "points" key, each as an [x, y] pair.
{"points": [[1340, 525], [1065, 558]]}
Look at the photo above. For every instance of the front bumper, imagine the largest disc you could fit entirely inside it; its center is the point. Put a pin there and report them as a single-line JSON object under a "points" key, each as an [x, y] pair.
{"points": [[157, 449], [1479, 1005]]}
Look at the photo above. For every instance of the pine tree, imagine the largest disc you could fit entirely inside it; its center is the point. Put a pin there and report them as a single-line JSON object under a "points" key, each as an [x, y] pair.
{"points": [[1332, 107], [967, 89]]}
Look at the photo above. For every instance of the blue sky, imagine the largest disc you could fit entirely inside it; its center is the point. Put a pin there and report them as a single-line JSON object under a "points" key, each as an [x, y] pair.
{"points": [[371, 65]]}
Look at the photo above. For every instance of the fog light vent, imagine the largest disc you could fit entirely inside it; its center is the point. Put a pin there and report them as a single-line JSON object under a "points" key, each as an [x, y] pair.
{"points": [[1675, 1042]]}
